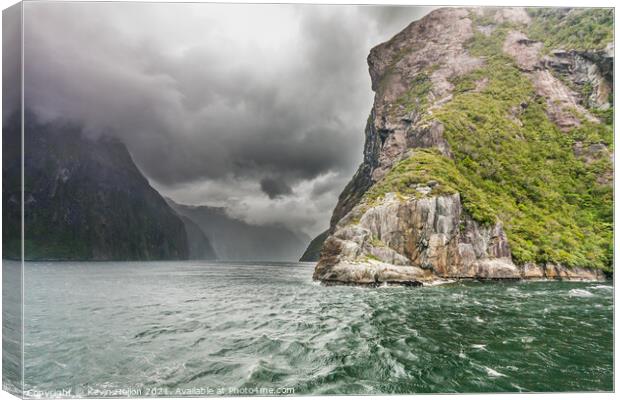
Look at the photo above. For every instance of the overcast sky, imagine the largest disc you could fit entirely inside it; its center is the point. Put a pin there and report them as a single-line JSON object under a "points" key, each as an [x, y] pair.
{"points": [[259, 108]]}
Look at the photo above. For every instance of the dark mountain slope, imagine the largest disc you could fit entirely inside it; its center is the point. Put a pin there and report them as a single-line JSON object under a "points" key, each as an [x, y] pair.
{"points": [[85, 199], [313, 251], [200, 247]]}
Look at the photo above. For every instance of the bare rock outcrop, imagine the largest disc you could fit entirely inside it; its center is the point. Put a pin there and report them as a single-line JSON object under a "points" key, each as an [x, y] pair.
{"points": [[564, 104], [425, 239]]}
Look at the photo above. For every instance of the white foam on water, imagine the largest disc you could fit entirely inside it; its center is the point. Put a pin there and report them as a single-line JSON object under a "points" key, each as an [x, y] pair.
{"points": [[439, 282], [579, 293], [492, 372], [606, 287], [527, 339]]}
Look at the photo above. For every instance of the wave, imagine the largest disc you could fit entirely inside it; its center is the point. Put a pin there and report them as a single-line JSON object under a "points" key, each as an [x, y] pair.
{"points": [[605, 287], [579, 293], [493, 373]]}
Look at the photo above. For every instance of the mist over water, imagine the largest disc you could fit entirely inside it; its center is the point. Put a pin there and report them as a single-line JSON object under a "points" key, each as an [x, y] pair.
{"points": [[96, 328]]}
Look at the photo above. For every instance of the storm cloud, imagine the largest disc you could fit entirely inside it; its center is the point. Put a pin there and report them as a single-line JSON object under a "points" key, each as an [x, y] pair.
{"points": [[275, 188], [259, 108]]}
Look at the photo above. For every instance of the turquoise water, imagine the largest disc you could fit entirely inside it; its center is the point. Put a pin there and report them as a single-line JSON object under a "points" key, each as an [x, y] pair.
{"points": [[176, 328]]}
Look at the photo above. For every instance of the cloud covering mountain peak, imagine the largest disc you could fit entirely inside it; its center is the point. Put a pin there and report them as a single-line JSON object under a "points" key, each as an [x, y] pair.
{"points": [[248, 106]]}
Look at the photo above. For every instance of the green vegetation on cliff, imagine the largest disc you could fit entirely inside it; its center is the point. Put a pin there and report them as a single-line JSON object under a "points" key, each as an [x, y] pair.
{"points": [[426, 165], [560, 28], [511, 163], [415, 100], [572, 29], [552, 206]]}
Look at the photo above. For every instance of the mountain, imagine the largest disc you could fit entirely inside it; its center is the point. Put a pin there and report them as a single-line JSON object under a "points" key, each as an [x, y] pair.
{"points": [[200, 247], [84, 199], [313, 251], [488, 152], [236, 240]]}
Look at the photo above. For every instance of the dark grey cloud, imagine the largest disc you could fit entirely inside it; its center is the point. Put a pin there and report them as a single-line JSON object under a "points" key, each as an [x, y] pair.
{"points": [[218, 103], [11, 60], [275, 188]]}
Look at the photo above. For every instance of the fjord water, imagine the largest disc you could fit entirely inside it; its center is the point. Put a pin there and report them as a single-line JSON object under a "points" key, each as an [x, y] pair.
{"points": [[179, 327]]}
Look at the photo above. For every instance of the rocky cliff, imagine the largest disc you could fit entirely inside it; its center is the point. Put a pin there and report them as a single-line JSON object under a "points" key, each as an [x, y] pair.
{"points": [[488, 152], [84, 199]]}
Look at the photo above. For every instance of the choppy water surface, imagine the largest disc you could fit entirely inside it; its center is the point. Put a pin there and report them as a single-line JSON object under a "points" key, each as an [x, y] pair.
{"points": [[101, 328]]}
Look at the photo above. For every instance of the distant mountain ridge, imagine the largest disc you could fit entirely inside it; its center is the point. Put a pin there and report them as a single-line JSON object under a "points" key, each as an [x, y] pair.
{"points": [[236, 240]]}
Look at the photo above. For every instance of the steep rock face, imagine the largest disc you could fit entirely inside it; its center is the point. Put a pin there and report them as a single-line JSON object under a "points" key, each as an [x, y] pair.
{"points": [[362, 180], [425, 240], [590, 71], [411, 72], [429, 233], [85, 199], [391, 225], [569, 80]]}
